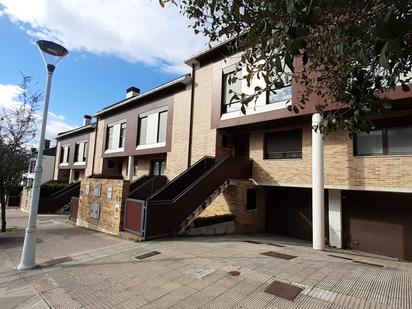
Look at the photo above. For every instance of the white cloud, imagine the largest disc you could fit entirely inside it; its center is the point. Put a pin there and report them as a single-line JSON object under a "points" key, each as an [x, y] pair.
{"points": [[134, 30], [9, 99]]}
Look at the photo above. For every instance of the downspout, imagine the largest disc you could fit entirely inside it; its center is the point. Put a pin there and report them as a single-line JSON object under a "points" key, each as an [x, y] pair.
{"points": [[192, 102], [94, 146]]}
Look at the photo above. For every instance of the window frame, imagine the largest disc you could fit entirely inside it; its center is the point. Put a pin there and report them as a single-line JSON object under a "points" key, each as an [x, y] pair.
{"points": [[227, 72], [265, 144], [385, 148]]}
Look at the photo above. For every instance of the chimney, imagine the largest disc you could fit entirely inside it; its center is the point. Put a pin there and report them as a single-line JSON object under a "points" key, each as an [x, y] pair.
{"points": [[87, 119], [132, 92], [46, 144]]}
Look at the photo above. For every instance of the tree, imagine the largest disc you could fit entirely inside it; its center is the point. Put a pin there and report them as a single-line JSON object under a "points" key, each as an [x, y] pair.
{"points": [[17, 129], [350, 52]]}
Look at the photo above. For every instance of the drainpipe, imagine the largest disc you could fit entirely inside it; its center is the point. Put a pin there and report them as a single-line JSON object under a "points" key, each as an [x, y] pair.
{"points": [[94, 146], [318, 209], [192, 102]]}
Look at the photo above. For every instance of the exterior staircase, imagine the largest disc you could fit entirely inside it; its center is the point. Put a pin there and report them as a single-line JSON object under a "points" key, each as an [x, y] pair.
{"points": [[172, 208]]}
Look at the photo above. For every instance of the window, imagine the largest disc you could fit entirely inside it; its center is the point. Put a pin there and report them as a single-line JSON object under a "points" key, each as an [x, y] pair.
{"points": [[116, 136], [142, 130], [122, 135], [32, 166], [283, 145], [369, 144], [386, 141], [80, 152], [251, 199], [162, 127], [65, 154], [152, 128], [284, 93], [158, 167], [109, 139], [229, 88]]}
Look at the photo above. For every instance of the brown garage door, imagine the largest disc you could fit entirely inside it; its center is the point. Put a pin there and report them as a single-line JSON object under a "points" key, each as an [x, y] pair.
{"points": [[289, 212], [378, 222]]}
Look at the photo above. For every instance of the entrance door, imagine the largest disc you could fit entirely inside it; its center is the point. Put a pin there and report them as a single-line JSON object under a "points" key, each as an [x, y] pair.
{"points": [[158, 167], [241, 143]]}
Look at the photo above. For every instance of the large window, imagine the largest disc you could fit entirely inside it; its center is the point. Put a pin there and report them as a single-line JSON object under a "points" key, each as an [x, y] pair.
{"points": [[152, 128], [386, 141], [116, 136], [80, 152], [230, 88], [283, 145], [64, 154]]}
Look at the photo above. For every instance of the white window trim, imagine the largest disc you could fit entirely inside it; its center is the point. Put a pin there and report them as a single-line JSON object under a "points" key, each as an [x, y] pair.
{"points": [[152, 130], [252, 110], [116, 135], [148, 146], [83, 154], [64, 163]]}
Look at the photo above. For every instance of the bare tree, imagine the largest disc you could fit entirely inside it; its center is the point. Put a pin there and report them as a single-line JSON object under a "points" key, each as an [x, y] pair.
{"points": [[17, 129]]}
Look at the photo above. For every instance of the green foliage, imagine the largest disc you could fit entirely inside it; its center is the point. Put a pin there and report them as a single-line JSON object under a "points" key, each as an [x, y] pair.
{"points": [[352, 51], [51, 187]]}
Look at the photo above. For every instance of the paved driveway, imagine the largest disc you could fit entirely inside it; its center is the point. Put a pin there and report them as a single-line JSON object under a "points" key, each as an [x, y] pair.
{"points": [[102, 271]]}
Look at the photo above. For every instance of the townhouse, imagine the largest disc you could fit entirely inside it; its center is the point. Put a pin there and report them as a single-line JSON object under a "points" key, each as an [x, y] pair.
{"points": [[180, 159]]}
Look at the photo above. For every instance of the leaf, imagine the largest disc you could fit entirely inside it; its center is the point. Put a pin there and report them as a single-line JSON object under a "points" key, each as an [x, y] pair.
{"points": [[162, 3], [278, 64], [243, 109], [383, 60], [363, 58], [290, 6]]}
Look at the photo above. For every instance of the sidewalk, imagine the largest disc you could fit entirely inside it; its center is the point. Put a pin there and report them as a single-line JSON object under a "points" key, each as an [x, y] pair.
{"points": [[101, 271]]}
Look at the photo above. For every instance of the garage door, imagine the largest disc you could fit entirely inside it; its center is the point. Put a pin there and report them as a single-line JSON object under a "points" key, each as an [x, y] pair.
{"points": [[378, 222], [289, 212]]}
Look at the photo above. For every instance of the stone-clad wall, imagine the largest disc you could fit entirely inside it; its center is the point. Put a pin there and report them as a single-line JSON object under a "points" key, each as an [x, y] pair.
{"points": [[111, 209], [25, 200], [233, 201]]}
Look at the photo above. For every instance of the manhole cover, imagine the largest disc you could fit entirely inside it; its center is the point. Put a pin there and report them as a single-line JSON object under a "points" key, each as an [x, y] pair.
{"points": [[147, 255], [283, 290], [279, 255]]}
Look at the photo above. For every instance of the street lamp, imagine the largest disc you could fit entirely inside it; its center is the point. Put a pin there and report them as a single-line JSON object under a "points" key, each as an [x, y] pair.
{"points": [[52, 54]]}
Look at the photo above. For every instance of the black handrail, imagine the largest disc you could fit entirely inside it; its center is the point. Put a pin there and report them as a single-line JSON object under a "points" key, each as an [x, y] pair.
{"points": [[148, 187], [163, 189], [181, 194], [65, 189]]}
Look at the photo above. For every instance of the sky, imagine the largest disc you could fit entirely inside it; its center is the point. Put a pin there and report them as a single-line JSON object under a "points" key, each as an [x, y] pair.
{"points": [[113, 45]]}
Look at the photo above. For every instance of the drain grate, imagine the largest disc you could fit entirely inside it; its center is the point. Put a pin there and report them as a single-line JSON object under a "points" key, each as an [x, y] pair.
{"points": [[368, 264], [283, 290], [147, 255], [340, 257], [276, 245], [234, 273], [279, 255], [59, 261], [263, 243]]}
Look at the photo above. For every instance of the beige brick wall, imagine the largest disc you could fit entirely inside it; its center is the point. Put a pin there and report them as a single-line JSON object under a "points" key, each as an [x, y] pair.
{"points": [[98, 160], [204, 138], [57, 161], [342, 169], [111, 209], [177, 157], [90, 150], [25, 200], [233, 201]]}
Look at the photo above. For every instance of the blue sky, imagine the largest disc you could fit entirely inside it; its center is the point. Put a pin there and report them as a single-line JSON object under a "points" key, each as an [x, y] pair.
{"points": [[110, 48]]}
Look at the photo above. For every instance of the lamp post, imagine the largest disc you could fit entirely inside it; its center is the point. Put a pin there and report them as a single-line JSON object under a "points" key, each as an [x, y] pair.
{"points": [[52, 54]]}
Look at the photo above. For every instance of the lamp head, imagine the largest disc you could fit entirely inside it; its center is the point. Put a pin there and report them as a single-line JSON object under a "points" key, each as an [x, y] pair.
{"points": [[52, 53]]}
